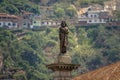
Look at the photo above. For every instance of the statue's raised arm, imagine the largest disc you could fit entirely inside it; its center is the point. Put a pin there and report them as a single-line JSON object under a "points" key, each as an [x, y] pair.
{"points": [[63, 36]]}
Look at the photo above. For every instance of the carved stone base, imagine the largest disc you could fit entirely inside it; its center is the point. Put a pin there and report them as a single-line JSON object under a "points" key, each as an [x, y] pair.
{"points": [[65, 59], [63, 67], [62, 71]]}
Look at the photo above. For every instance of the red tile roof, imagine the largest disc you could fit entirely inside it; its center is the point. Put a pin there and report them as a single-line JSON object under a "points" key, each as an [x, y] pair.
{"points": [[8, 16], [111, 72]]}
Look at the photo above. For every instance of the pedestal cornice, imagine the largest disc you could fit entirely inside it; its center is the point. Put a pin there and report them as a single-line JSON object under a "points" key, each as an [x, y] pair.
{"points": [[62, 67]]}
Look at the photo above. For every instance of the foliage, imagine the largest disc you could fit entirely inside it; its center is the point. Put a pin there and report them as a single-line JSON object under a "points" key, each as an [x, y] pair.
{"points": [[64, 10], [71, 11], [59, 12], [19, 76], [16, 7]]}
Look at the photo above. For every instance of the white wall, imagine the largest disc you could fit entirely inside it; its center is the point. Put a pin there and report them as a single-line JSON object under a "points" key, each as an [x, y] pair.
{"points": [[92, 17], [9, 24]]}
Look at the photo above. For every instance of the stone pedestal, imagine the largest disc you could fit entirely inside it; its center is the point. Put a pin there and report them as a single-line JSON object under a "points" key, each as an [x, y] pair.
{"points": [[66, 59], [62, 67]]}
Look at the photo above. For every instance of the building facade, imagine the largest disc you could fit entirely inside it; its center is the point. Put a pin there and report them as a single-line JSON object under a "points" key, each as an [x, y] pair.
{"points": [[9, 21], [26, 20], [93, 17]]}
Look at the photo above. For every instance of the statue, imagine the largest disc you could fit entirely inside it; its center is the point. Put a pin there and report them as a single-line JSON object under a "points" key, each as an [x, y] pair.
{"points": [[63, 36]]}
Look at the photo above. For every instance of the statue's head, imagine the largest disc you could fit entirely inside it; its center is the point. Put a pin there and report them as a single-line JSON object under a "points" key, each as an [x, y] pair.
{"points": [[63, 24]]}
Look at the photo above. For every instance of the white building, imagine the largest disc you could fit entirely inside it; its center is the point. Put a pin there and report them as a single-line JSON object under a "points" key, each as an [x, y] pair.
{"points": [[93, 17], [8, 21], [36, 22], [50, 23]]}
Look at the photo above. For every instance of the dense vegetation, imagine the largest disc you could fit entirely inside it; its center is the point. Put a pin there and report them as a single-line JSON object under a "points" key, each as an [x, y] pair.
{"points": [[26, 54], [92, 47], [17, 6], [62, 8], [50, 2]]}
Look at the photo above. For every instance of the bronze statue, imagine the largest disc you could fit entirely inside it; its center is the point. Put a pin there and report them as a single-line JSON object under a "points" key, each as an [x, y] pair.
{"points": [[63, 36]]}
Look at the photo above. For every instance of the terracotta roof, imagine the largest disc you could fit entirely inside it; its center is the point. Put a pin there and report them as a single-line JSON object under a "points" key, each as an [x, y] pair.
{"points": [[2, 13], [8, 16], [111, 72]]}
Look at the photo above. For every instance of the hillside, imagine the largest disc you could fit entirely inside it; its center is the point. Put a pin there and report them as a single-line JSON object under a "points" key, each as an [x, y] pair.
{"points": [[17, 7], [92, 47], [77, 2]]}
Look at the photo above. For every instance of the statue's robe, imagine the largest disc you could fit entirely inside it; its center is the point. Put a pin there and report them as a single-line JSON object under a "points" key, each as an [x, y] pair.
{"points": [[63, 35]]}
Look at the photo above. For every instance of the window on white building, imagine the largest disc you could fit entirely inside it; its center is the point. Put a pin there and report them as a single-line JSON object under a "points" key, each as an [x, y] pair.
{"points": [[91, 15], [47, 22], [9, 24], [95, 15], [42, 22], [24, 24], [95, 20], [90, 20], [14, 24]]}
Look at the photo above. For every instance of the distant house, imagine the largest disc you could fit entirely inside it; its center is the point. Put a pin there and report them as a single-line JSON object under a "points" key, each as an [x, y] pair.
{"points": [[9, 21], [93, 7], [26, 19], [50, 23], [36, 22], [93, 17], [96, 14]]}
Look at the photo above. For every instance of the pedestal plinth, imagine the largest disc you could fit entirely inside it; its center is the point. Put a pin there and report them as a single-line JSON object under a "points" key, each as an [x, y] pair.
{"points": [[62, 67], [65, 59]]}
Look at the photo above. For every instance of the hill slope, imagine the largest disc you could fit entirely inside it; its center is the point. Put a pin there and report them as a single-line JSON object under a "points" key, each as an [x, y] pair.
{"points": [[92, 47], [16, 7]]}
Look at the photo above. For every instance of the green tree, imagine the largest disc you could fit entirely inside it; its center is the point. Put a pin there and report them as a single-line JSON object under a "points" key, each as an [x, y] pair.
{"points": [[71, 11], [59, 12]]}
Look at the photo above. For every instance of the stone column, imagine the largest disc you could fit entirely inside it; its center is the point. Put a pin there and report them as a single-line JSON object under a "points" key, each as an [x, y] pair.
{"points": [[63, 67]]}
